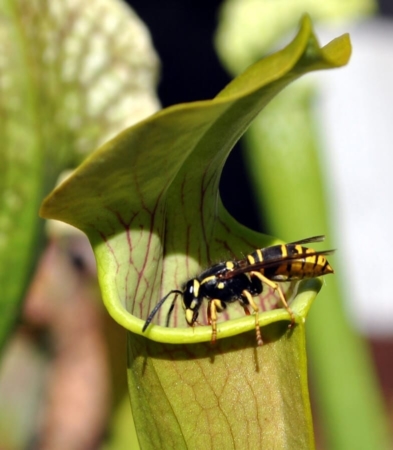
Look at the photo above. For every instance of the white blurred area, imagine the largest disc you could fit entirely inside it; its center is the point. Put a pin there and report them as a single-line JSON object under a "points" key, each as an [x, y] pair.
{"points": [[356, 112]]}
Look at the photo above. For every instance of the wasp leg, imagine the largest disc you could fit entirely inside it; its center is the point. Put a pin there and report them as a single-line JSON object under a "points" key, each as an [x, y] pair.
{"points": [[246, 310], [254, 306], [212, 308], [168, 317], [277, 288]]}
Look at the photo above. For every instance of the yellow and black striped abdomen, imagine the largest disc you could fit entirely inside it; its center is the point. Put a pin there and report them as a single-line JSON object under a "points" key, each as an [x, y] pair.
{"points": [[289, 262]]}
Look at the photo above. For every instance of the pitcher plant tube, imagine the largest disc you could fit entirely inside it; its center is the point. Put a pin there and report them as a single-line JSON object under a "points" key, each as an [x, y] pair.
{"points": [[148, 201]]}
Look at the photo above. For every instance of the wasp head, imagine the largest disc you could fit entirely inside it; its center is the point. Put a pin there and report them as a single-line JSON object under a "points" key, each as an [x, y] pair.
{"points": [[192, 300]]}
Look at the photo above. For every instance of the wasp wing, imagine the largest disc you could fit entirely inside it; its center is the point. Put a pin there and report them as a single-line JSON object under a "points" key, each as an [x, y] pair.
{"points": [[278, 256]]}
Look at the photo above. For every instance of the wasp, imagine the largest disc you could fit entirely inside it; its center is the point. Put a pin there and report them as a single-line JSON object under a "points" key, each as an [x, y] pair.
{"points": [[242, 280]]}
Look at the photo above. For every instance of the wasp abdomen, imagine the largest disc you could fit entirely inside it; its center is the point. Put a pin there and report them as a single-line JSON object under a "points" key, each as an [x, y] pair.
{"points": [[289, 262]]}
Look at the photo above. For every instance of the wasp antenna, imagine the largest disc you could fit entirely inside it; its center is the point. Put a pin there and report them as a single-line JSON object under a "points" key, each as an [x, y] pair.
{"points": [[157, 307], [319, 238], [309, 240]]}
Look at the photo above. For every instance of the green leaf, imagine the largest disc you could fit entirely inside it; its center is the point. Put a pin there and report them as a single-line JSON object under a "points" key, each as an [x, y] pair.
{"points": [[152, 191], [148, 200], [70, 79]]}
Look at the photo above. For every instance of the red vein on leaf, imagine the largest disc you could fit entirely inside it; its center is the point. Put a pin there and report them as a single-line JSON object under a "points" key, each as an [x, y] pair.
{"points": [[105, 239], [150, 234], [247, 244]]}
